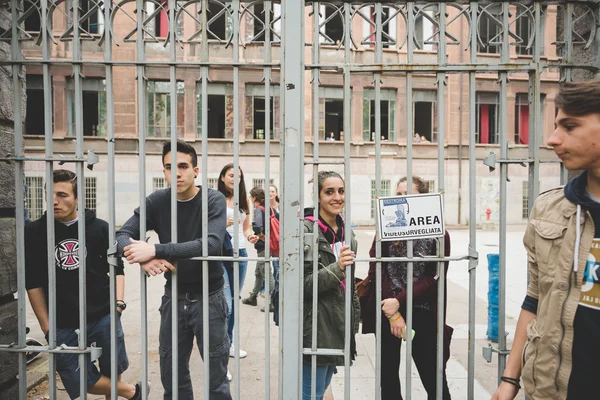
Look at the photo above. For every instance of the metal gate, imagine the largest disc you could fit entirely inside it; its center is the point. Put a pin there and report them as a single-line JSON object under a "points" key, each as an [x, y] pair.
{"points": [[296, 56]]}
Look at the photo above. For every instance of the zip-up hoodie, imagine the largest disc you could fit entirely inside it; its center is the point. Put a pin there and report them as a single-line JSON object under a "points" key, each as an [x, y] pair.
{"points": [[586, 326], [66, 262]]}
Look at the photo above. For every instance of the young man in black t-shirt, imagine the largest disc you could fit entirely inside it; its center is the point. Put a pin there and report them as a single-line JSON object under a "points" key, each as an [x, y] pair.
{"points": [[156, 259], [66, 260]]}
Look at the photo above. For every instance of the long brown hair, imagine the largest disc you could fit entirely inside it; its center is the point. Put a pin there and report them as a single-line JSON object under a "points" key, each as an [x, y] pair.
{"points": [[241, 187]]}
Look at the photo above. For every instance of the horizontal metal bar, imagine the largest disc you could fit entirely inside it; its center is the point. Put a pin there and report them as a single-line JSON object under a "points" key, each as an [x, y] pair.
{"points": [[323, 352], [323, 162], [233, 259], [387, 68], [406, 259], [256, 65], [45, 349], [51, 159]]}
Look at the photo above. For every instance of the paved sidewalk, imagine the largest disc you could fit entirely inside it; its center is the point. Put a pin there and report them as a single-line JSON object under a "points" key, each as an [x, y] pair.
{"points": [[252, 375]]}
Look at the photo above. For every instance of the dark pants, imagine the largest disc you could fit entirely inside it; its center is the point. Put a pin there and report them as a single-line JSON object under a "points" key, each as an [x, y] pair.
{"points": [[190, 325], [423, 354]]}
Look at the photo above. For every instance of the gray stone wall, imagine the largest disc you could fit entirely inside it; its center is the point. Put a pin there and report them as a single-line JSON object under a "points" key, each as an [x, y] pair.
{"points": [[8, 277]]}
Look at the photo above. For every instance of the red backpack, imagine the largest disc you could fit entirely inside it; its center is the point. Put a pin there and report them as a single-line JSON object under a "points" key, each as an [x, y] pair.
{"points": [[274, 232]]}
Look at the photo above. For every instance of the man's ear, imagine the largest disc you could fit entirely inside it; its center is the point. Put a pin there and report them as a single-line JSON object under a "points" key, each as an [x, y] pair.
{"points": [[196, 171]]}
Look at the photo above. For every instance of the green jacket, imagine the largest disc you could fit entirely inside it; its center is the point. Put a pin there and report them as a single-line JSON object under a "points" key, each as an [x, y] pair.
{"points": [[331, 305]]}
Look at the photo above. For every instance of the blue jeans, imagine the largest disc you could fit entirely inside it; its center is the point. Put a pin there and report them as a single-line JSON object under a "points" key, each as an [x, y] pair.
{"points": [[324, 375], [275, 274], [67, 365], [190, 323], [228, 290]]}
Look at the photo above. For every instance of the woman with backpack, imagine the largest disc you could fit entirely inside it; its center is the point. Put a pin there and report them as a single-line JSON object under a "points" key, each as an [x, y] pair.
{"points": [[257, 196], [334, 262]]}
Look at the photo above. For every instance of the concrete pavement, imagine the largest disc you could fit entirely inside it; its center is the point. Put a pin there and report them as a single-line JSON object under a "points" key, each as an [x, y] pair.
{"points": [[253, 370]]}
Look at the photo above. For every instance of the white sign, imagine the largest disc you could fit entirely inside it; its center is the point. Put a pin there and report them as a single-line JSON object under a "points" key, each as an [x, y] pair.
{"points": [[410, 217]]}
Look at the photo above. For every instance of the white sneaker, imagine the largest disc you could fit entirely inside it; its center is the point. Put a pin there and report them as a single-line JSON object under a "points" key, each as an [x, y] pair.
{"points": [[229, 376], [241, 352]]}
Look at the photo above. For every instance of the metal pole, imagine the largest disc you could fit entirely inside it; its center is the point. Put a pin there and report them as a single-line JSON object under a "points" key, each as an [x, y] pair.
{"points": [[441, 304], [142, 128], [472, 205], [293, 156], [174, 167], [410, 10], [19, 200], [83, 367], [110, 133], [503, 76]]}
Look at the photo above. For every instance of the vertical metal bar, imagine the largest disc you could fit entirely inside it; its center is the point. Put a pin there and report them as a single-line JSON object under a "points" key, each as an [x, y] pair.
{"points": [[349, 284], [377, 79], [535, 105], [441, 89], [409, 174], [48, 146], [505, 58], [314, 238], [204, 77], [174, 168], [236, 196], [83, 368], [110, 133], [267, 183], [568, 42], [19, 198], [292, 158], [472, 204], [142, 127]]}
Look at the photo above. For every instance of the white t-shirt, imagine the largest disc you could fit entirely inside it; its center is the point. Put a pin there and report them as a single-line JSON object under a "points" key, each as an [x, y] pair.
{"points": [[242, 238]]}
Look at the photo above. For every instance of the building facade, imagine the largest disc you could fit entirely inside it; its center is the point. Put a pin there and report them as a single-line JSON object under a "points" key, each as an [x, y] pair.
{"points": [[245, 104]]}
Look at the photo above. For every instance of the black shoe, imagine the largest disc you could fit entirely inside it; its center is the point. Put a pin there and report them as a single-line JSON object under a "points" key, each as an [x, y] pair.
{"points": [[138, 391]]}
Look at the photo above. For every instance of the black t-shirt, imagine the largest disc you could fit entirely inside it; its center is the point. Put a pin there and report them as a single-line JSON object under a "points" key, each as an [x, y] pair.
{"points": [[66, 261], [586, 327]]}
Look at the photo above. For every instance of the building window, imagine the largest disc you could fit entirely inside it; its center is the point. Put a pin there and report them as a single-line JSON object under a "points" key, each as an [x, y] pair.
{"points": [[331, 24], [425, 116], [260, 182], [388, 29], [522, 113], [385, 191], [220, 111], [387, 118], [487, 118], [256, 112], [525, 31], [35, 121], [256, 24], [94, 107], [90, 193], [34, 197], [32, 21], [424, 30], [159, 109], [93, 12], [331, 113], [490, 29], [525, 204], [159, 183]]}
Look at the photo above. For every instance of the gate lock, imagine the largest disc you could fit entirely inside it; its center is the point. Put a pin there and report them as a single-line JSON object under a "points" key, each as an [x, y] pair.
{"points": [[489, 350]]}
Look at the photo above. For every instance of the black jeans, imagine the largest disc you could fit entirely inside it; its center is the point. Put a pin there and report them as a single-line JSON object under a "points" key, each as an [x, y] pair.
{"points": [[190, 325], [423, 354]]}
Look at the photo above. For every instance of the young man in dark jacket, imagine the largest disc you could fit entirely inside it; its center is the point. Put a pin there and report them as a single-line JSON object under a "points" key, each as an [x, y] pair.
{"points": [[156, 259], [66, 260], [555, 351]]}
